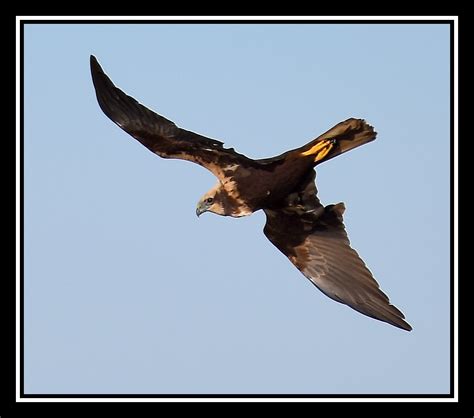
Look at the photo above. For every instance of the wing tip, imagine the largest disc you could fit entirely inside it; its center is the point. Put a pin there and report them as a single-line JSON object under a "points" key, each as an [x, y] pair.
{"points": [[407, 327], [399, 322], [393, 316], [95, 66]]}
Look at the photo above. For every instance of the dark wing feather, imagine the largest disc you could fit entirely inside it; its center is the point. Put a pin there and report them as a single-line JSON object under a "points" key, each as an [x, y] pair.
{"points": [[313, 237], [159, 134]]}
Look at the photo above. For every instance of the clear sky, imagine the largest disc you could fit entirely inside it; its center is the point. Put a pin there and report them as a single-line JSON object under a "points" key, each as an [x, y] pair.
{"points": [[127, 291]]}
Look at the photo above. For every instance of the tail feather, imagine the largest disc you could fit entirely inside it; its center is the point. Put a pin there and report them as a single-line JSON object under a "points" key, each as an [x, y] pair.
{"points": [[339, 139]]}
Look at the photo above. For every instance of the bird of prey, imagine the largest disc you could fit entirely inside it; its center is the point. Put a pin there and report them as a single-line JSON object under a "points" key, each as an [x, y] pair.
{"points": [[311, 235]]}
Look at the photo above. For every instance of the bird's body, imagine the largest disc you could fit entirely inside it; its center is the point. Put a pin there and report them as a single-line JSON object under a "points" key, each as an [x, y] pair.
{"points": [[312, 236]]}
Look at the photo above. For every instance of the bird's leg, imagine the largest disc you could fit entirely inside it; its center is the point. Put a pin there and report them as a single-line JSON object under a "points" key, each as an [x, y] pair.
{"points": [[320, 150]]}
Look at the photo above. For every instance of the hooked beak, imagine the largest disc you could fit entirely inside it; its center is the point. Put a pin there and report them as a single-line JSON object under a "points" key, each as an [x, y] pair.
{"points": [[200, 210]]}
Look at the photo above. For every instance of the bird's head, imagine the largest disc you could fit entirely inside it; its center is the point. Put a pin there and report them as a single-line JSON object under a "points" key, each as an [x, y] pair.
{"points": [[211, 202], [218, 201]]}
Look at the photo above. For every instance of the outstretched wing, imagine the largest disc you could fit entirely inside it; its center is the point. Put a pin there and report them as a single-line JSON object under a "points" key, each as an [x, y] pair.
{"points": [[313, 237], [159, 134]]}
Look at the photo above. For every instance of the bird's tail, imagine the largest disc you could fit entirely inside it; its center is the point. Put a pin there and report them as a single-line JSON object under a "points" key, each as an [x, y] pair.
{"points": [[341, 138]]}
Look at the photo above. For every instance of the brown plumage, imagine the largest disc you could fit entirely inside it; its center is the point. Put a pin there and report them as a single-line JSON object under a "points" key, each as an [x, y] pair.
{"points": [[312, 236]]}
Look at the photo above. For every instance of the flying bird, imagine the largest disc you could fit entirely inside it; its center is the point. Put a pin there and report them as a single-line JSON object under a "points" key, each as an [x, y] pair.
{"points": [[311, 235]]}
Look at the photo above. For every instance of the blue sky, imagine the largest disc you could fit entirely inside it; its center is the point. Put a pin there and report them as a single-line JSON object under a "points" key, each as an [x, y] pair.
{"points": [[126, 291]]}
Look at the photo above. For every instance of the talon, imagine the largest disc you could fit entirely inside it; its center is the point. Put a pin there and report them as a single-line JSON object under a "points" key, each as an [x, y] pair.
{"points": [[316, 148], [323, 153], [321, 149]]}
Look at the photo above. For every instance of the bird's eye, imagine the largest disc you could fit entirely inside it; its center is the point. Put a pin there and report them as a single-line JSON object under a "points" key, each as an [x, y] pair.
{"points": [[209, 200]]}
